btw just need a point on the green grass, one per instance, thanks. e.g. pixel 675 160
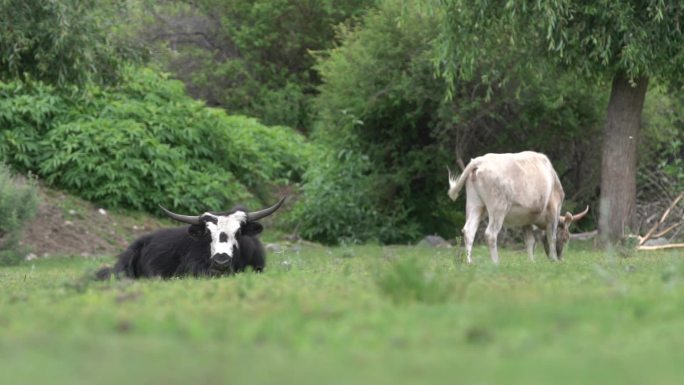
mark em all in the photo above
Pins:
pixel 366 315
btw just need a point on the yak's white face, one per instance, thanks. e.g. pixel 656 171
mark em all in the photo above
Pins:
pixel 224 230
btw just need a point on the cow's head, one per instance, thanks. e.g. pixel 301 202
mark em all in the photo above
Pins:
pixel 563 231
pixel 225 229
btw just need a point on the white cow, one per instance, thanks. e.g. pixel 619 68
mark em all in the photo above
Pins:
pixel 517 190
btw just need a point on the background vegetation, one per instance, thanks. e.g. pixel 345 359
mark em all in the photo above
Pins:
pixel 144 143
pixel 356 107
pixel 249 57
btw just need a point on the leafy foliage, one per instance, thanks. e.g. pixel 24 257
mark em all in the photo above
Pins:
pixel 145 143
pixel 338 204
pixel 27 111
pixel 250 57
pixel 661 171
pixel 63 41
pixel 18 203
pixel 380 100
pixel 641 38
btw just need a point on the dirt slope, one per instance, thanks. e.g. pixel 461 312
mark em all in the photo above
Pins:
pixel 66 225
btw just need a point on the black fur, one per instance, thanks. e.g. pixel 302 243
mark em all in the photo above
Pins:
pixel 185 251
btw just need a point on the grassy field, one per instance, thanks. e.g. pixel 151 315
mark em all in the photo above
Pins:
pixel 355 315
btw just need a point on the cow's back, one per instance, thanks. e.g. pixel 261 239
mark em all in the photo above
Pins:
pixel 525 181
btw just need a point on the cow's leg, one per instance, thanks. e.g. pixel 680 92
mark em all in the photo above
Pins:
pixel 529 241
pixel 473 216
pixel 491 234
pixel 551 239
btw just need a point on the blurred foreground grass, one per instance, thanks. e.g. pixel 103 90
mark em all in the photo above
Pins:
pixel 365 315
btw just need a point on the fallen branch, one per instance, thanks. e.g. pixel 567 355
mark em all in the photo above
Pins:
pixel 662 247
pixel 650 232
pixel 667 230
pixel 584 236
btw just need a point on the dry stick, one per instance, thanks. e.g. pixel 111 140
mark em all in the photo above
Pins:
pixel 667 230
pixel 661 247
pixel 584 236
pixel 650 232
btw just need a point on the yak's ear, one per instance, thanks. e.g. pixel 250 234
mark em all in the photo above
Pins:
pixel 252 228
pixel 197 231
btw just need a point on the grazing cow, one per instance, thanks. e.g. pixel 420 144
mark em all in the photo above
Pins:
pixel 214 244
pixel 517 190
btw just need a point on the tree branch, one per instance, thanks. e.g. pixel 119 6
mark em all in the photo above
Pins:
pixel 650 232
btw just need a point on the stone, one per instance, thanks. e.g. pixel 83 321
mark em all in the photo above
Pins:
pixel 434 241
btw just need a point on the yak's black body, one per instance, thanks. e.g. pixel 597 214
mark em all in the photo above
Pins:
pixel 215 243
pixel 174 252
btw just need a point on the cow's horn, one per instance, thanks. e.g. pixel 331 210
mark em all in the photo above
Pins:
pixel 255 216
pixel 192 220
pixel 577 217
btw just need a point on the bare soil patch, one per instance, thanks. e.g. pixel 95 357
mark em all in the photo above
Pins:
pixel 65 225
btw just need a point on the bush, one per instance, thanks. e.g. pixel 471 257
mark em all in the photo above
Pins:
pixel 661 150
pixel 121 164
pixel 18 204
pixel 339 203
pixel 144 143
pixel 27 112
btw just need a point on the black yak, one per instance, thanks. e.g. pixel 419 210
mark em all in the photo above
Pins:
pixel 214 244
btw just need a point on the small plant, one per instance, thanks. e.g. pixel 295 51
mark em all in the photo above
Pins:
pixel 409 280
pixel 18 204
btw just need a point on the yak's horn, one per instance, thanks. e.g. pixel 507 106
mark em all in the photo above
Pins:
pixel 256 215
pixel 192 220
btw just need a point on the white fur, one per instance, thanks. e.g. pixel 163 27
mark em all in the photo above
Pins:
pixel 517 189
pixel 225 224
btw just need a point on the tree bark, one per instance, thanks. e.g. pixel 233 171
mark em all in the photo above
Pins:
pixel 617 215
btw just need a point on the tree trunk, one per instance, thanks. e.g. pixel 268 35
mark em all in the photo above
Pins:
pixel 617 216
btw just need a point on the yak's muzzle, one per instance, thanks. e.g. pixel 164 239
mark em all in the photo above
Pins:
pixel 221 258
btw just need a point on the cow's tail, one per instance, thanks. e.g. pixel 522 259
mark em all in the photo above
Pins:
pixel 456 184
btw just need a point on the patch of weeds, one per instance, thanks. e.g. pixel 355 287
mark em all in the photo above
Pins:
pixel 478 336
pixel 124 326
pixel 671 275
pixel 627 246
pixel 18 205
pixel 81 284
pixel 409 280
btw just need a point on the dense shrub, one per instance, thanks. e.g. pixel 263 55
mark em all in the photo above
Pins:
pixel 27 112
pixel 18 203
pixel 145 142
pixel 338 204
pixel 661 150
